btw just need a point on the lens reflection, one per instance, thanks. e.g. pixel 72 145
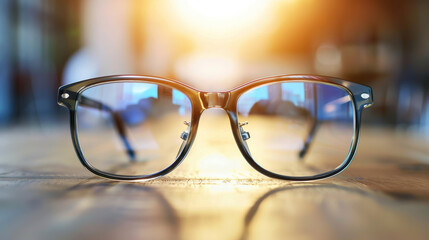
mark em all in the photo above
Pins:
pixel 298 128
pixel 132 128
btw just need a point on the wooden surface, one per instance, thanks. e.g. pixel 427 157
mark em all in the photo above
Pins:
pixel 46 194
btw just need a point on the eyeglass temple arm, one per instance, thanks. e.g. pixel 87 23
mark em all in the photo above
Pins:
pixel 309 139
pixel 117 119
pixel 313 128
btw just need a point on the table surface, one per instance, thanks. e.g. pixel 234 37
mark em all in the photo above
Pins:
pixel 46 194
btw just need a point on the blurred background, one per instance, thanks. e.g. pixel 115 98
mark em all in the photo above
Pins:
pixel 215 46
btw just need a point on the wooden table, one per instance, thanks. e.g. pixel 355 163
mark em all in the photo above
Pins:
pixel 46 194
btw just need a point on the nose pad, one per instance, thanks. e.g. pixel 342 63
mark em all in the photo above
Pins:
pixel 184 135
pixel 244 135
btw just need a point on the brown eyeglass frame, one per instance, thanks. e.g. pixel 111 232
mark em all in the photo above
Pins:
pixel 361 96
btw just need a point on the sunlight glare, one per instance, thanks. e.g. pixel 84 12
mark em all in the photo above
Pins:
pixel 221 16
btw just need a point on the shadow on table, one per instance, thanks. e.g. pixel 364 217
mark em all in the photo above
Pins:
pixel 333 206
pixel 101 210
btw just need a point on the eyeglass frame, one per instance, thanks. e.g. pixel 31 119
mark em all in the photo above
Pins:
pixel 361 97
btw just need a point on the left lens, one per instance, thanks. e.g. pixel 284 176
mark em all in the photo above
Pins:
pixel 132 129
pixel 298 129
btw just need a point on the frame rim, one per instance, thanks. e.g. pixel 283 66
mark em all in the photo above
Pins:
pixel 296 78
pixel 197 107
pixel 75 89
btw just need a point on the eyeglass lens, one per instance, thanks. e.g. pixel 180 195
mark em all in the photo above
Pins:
pixel 297 128
pixel 132 129
pixel 291 128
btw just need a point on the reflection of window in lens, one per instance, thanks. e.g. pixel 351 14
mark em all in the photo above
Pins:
pixel 293 99
pixel 293 92
pixel 135 92
pixel 326 102
pixel 250 98
pixel 300 123
pixel 122 126
pixel 181 100
pixel 136 101
pixel 333 103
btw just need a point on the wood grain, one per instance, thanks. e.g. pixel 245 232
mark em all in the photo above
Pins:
pixel 46 194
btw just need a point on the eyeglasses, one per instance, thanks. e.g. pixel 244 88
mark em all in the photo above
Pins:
pixel 292 127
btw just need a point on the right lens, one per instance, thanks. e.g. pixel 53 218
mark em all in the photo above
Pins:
pixel 132 129
pixel 298 129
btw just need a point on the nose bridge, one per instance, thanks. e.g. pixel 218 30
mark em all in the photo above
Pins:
pixel 214 99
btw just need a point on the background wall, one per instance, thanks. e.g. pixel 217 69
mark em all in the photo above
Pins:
pixel 214 45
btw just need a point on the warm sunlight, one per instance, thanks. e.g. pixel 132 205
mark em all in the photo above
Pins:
pixel 220 33
pixel 212 19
